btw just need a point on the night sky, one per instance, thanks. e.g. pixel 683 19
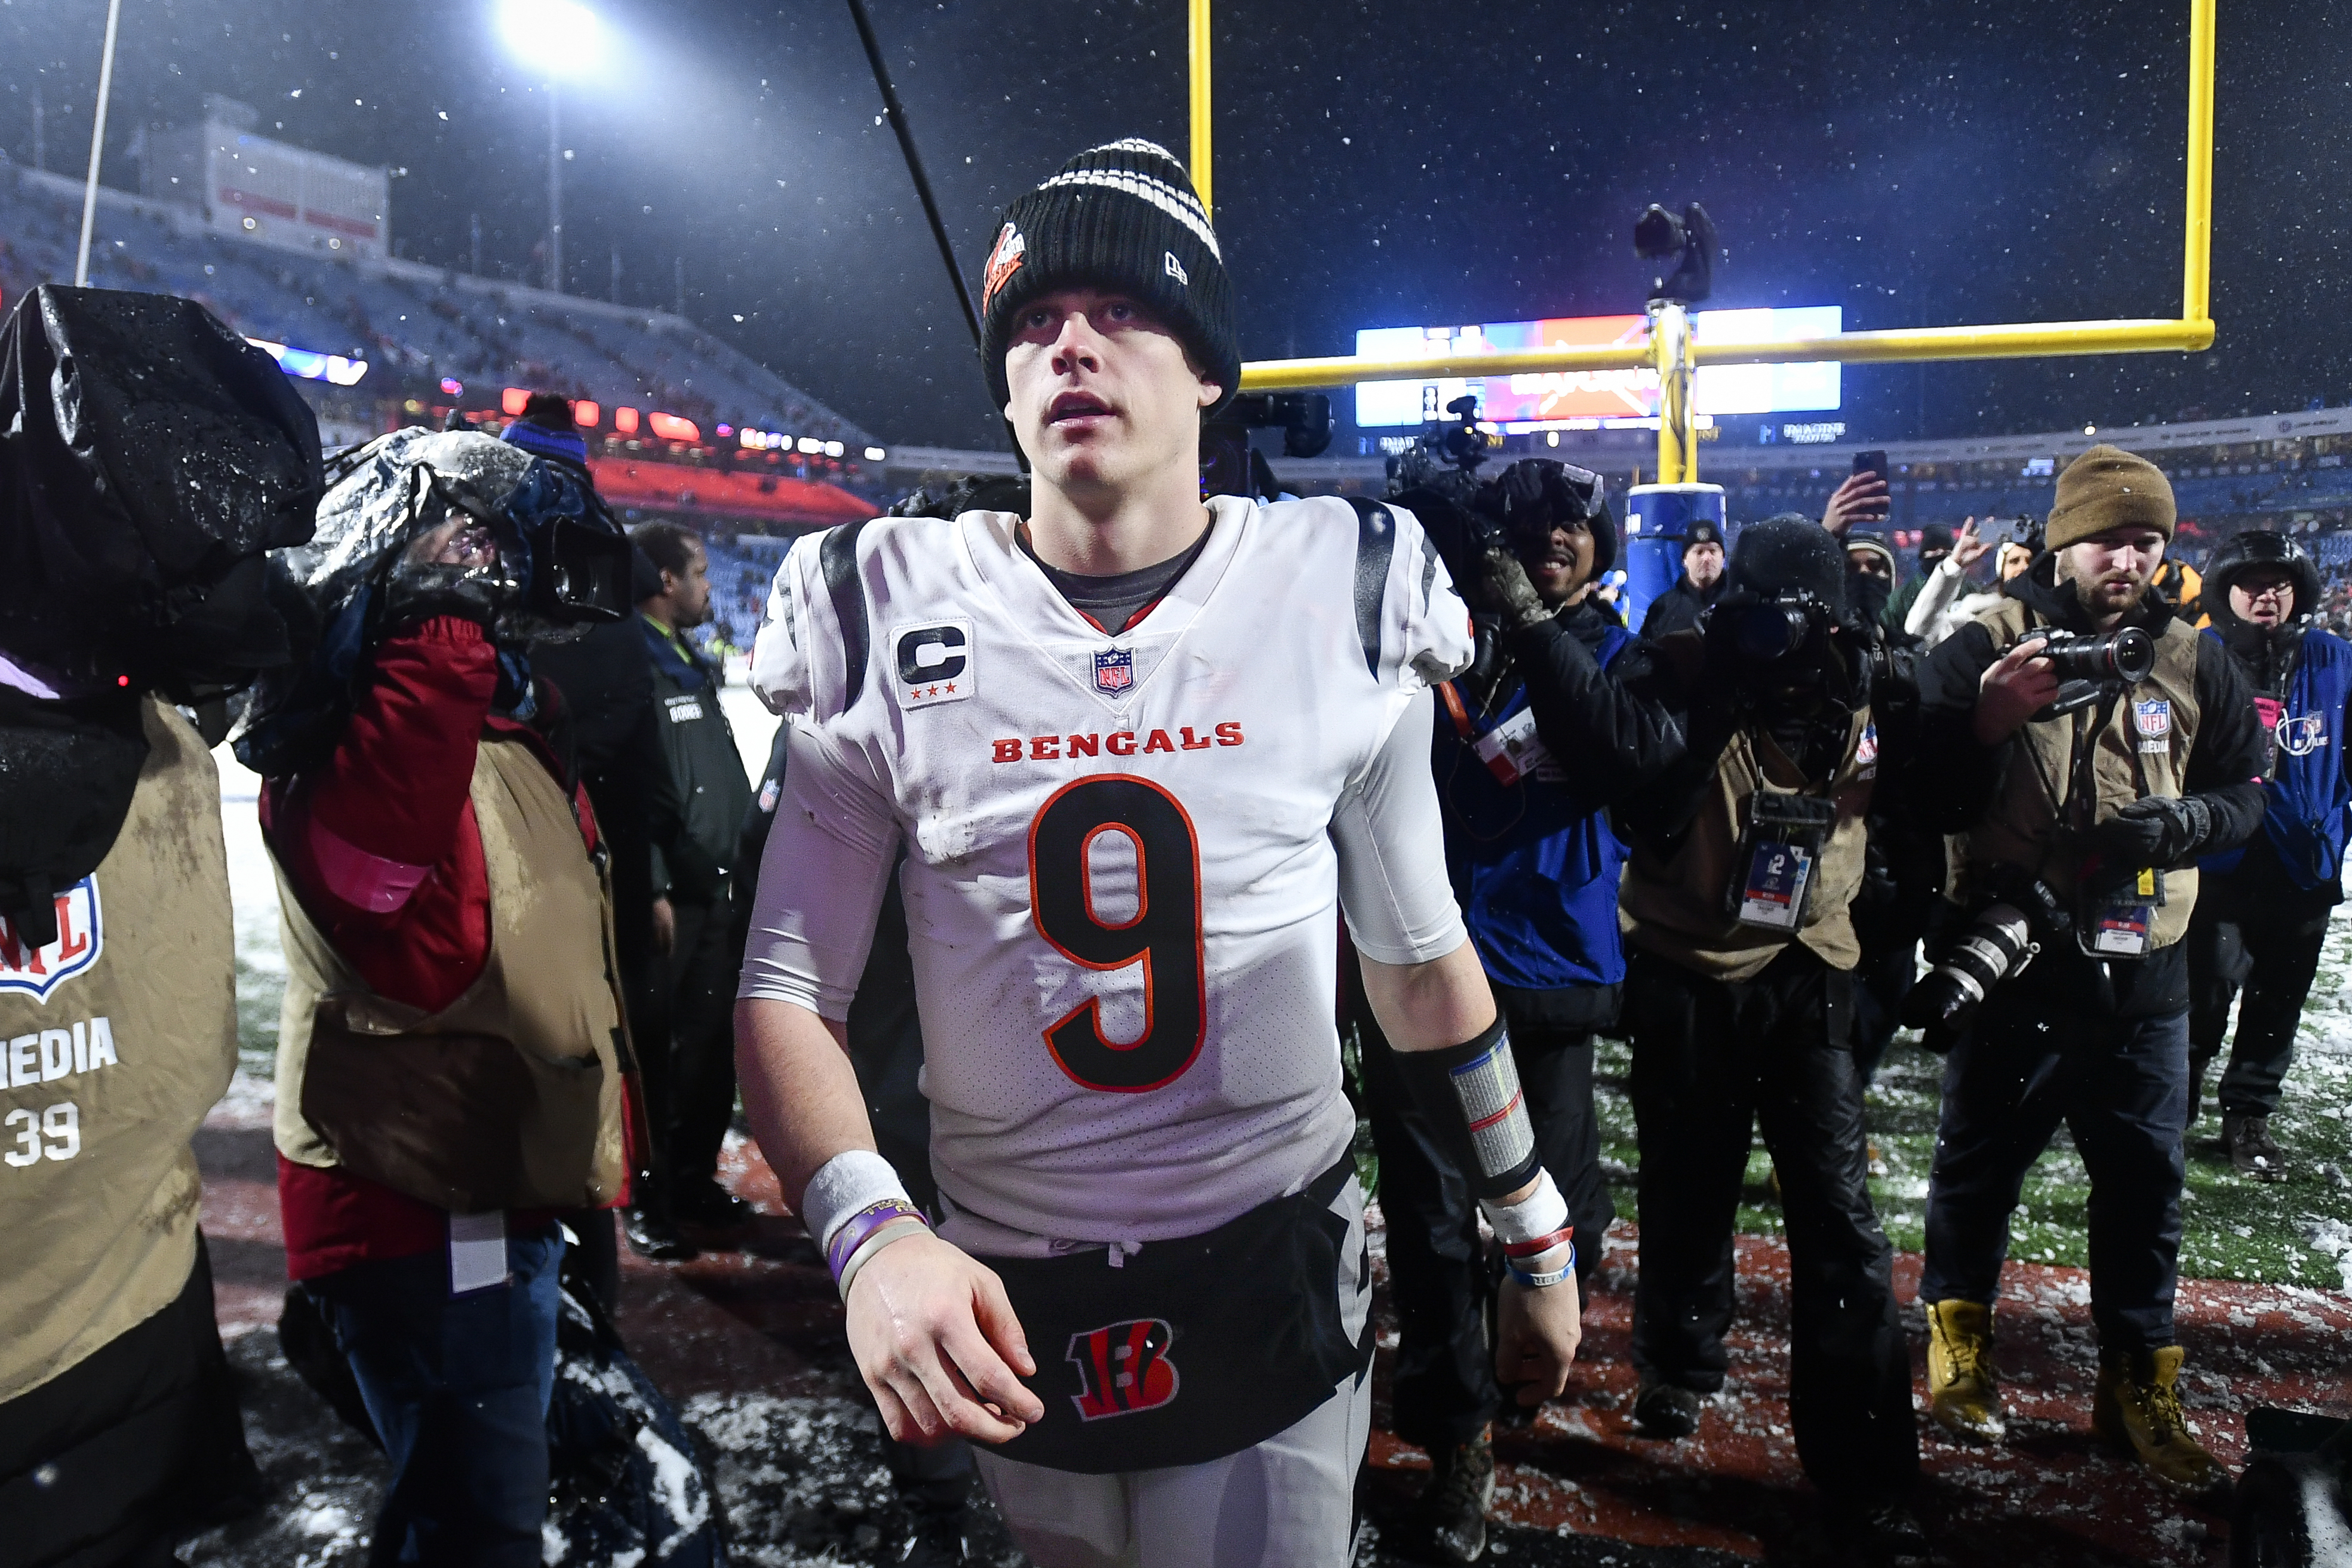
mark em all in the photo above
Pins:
pixel 1378 165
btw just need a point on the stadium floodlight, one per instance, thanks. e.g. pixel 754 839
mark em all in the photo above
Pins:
pixel 563 39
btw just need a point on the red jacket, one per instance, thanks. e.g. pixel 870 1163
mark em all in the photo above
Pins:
pixel 382 846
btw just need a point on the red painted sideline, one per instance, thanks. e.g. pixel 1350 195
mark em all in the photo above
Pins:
pixel 763 1317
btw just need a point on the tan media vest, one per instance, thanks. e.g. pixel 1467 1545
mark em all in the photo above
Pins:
pixel 1675 909
pixel 510 1097
pixel 2019 828
pixel 99 1188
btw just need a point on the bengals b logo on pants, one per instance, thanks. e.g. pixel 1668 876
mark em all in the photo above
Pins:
pixel 1123 1368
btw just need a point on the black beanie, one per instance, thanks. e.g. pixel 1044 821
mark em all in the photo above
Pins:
pixel 1790 552
pixel 1122 216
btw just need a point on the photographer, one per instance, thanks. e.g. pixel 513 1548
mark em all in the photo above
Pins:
pixel 137 588
pixel 2085 828
pixel 1747 855
pixel 1678 608
pixel 1530 743
pixel 446 1080
pixel 2262 911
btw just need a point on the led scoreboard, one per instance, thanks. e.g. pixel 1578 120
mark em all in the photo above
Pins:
pixel 1591 399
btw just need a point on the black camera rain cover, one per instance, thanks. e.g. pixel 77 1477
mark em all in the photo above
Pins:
pixel 149 456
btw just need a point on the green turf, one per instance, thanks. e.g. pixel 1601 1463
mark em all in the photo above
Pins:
pixel 2290 1232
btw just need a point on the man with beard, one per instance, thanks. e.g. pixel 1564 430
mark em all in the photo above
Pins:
pixel 2261 912
pixel 2090 803
pixel 1532 742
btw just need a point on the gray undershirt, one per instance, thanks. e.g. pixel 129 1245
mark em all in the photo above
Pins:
pixel 1113 603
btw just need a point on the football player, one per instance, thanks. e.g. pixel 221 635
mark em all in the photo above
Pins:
pixel 1134 748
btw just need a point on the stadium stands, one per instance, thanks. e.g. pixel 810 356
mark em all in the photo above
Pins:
pixel 668 395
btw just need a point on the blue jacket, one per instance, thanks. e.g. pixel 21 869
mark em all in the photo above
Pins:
pixel 1534 869
pixel 2306 798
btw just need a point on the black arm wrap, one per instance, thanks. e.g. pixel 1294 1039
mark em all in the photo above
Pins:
pixel 1470 1092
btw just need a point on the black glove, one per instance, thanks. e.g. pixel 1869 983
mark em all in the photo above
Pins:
pixel 2162 830
pixel 1487 575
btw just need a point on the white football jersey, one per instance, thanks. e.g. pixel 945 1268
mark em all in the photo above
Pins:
pixel 1123 853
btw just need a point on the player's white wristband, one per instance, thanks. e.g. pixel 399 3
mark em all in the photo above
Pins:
pixel 848 1184
pixel 1539 1214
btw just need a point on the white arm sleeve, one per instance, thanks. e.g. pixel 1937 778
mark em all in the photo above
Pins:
pixel 1391 843
pixel 822 879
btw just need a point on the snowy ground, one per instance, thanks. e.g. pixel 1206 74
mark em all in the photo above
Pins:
pixel 747 1340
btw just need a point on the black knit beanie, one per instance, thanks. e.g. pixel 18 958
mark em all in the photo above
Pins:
pixel 1790 551
pixel 1123 217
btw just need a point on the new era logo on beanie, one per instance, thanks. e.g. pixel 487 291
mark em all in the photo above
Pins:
pixel 1120 216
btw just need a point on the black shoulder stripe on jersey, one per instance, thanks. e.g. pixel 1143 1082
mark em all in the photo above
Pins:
pixel 1375 544
pixel 1428 568
pixel 838 558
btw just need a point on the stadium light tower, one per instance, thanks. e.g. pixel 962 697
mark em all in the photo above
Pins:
pixel 562 39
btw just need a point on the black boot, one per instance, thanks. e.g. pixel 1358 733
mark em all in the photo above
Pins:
pixel 647 1224
pixel 1454 1506
pixel 934 1538
pixel 705 1201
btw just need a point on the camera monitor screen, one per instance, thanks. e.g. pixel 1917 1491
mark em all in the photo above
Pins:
pixel 1554 400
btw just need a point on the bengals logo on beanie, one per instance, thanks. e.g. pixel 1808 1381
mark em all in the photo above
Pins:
pixel 1120 216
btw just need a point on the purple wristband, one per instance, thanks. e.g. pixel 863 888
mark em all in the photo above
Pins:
pixel 853 1232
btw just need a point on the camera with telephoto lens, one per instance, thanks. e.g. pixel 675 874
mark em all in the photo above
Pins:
pixel 1765 628
pixel 1998 944
pixel 2086 664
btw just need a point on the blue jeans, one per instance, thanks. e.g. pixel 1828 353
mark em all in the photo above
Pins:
pixel 2121 1085
pixel 458 1388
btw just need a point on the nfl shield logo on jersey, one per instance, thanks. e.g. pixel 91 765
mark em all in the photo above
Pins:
pixel 1114 670
pixel 38 971
pixel 2154 717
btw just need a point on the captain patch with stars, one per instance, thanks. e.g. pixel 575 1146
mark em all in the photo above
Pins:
pixel 933 662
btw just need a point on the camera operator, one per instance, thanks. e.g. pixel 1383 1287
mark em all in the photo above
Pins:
pixel 1678 608
pixel 1531 742
pixel 137 587
pixel 2261 912
pixel 447 1080
pixel 1747 855
pixel 2091 823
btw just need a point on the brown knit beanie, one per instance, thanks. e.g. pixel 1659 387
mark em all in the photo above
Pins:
pixel 2106 487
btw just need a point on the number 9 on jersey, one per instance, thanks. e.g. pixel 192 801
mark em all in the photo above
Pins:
pixel 1164 934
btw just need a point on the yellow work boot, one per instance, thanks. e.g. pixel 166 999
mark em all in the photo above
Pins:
pixel 2137 1409
pixel 1962 1395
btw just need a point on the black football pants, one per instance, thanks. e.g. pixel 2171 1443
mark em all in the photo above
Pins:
pixel 2266 941
pixel 704 966
pixel 1439 1279
pixel 1712 1059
